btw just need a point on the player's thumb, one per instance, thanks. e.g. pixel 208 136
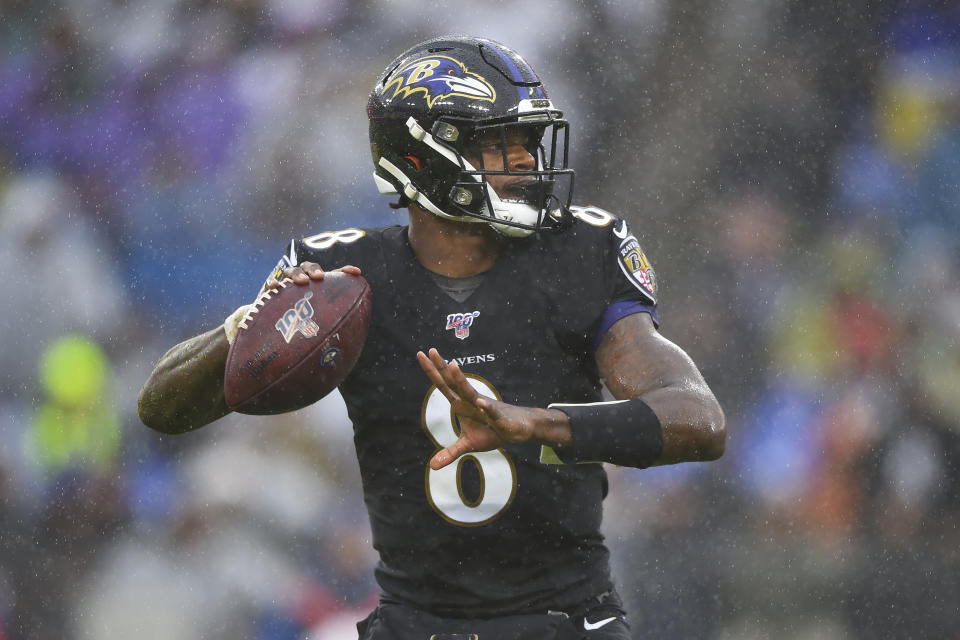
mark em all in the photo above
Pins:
pixel 445 456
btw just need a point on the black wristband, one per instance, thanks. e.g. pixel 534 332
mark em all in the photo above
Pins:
pixel 624 432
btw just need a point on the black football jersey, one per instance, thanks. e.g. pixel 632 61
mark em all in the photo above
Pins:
pixel 501 531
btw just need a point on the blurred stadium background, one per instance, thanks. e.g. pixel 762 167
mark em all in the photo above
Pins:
pixel 792 168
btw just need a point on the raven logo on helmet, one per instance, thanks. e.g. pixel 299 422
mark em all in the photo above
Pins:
pixel 438 77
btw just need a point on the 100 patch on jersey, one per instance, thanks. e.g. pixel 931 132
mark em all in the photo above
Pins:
pixel 461 322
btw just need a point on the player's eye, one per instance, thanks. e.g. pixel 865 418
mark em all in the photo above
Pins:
pixel 495 140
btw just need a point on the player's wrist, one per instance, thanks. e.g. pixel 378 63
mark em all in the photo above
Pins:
pixel 623 432
pixel 552 428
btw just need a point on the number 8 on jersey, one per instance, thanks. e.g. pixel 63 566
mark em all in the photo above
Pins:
pixel 444 489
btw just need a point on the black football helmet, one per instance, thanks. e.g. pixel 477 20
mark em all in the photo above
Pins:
pixel 435 102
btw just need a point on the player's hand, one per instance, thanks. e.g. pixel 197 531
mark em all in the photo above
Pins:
pixel 304 273
pixel 486 423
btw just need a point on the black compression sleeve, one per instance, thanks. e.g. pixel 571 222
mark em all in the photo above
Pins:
pixel 624 432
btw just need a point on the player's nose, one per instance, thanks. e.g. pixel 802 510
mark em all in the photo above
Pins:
pixel 519 158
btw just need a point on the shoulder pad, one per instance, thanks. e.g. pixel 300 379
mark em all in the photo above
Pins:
pixel 317 242
pixel 634 263
pixel 327 239
pixel 631 258
pixel 594 216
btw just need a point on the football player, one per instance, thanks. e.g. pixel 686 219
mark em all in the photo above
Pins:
pixel 483 478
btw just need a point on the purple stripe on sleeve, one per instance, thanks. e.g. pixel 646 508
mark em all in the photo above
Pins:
pixel 621 309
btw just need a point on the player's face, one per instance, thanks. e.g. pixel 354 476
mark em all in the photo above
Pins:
pixel 488 153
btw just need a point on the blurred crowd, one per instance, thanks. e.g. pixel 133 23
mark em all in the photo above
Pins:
pixel 791 168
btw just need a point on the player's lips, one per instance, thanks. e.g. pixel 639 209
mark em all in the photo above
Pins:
pixel 522 191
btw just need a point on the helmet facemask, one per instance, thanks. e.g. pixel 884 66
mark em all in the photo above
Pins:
pixel 528 197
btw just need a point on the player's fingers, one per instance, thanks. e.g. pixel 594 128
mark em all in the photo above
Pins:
pixel 459 383
pixel 441 459
pixel 460 387
pixel 442 367
pixel 429 368
pixel 349 268
pixel 312 269
pixel 296 274
pixel 437 360
pixel 445 456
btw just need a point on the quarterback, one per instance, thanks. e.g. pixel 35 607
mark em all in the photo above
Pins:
pixel 500 312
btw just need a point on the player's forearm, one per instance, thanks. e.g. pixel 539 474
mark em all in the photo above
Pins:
pixel 185 390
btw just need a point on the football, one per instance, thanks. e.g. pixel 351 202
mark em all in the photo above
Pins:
pixel 297 343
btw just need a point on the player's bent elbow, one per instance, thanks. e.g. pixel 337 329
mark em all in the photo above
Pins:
pixel 162 416
pixel 152 415
pixel 151 419
pixel 716 435
pixel 168 424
